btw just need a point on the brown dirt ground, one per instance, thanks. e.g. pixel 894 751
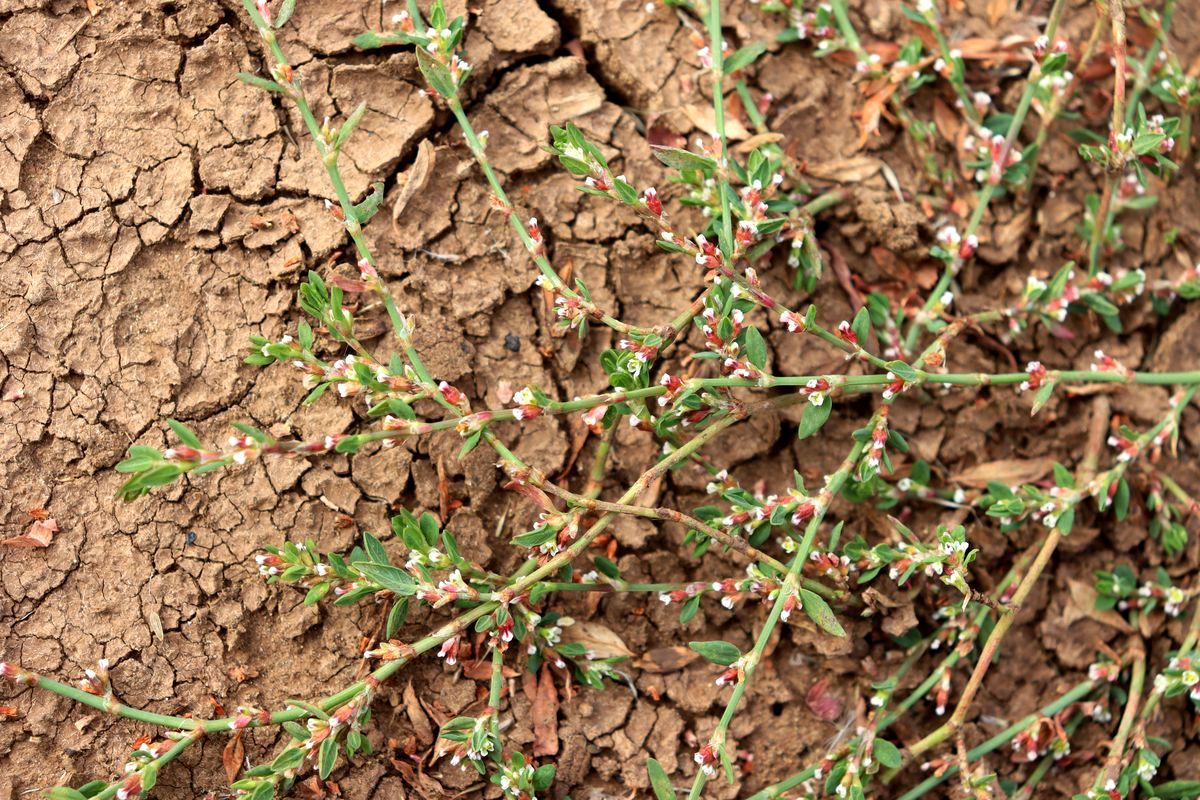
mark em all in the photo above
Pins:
pixel 156 212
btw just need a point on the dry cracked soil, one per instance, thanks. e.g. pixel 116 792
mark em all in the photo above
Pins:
pixel 156 212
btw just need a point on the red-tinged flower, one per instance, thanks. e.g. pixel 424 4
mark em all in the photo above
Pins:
pixel 804 512
pixel 673 386
pixel 131 787
pixel 367 270
pixel 181 452
pixel 535 232
pixel 708 255
pixel 731 674
pixel 968 247
pixel 707 757
pixel 653 203
pixel 846 333
pixel 793 321
pixel 594 418
pixel 790 604
pixel 452 395
pixel 891 390
pixel 600 184
pixel 746 233
pixel 449 650
pixel 264 10
pixel 1037 375
pixel 505 630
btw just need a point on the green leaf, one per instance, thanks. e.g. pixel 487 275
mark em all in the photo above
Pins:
pixel 350 124
pixel 436 74
pixel 659 781
pixel 902 371
pixel 743 57
pixel 374 548
pixel 370 204
pixel 259 82
pixel 286 9
pixel 820 613
pixel 756 348
pixel 814 418
pixel 683 159
pixel 722 653
pixel 470 443
pixel 65 793
pixel 288 759
pixel 543 776
pixel 328 756
pixel 1043 395
pixel 185 434
pixel 389 577
pixel 887 754
pixel 861 325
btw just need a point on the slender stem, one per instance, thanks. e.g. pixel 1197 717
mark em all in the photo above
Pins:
pixel 1116 750
pixel 716 45
pixel 784 597
pixel 1080 691
pixel 495 689
pixel 985 196
pixel 537 253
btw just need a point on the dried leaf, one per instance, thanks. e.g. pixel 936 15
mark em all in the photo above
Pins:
pixel 600 641
pixel 996 10
pixel 661 660
pixel 232 756
pixel 870 114
pixel 704 118
pixel 846 170
pixel 416 715
pixel 1009 471
pixel 658 136
pixel 1083 597
pixel 545 716
pixel 822 703
pixel 757 140
pixel 156 626
pixel 418 178
pixel 39 535
pixel 948 123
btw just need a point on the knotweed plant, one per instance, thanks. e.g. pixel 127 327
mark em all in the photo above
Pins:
pixel 785 557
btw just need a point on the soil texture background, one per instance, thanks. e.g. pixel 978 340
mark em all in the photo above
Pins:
pixel 155 212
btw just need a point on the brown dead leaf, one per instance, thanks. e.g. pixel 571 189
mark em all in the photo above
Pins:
pixel 846 170
pixel 948 122
pixel 1009 471
pixel 545 716
pixel 599 640
pixel 232 756
pixel 1083 598
pixel 704 118
pixel 417 178
pixel 996 10
pixel 416 715
pixel 661 660
pixel 756 140
pixel 39 535
pixel 870 114
pixel 658 136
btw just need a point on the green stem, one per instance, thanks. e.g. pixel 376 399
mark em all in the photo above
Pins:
pixel 543 264
pixel 752 659
pixel 716 41
pixel 989 190
pixel 1080 691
